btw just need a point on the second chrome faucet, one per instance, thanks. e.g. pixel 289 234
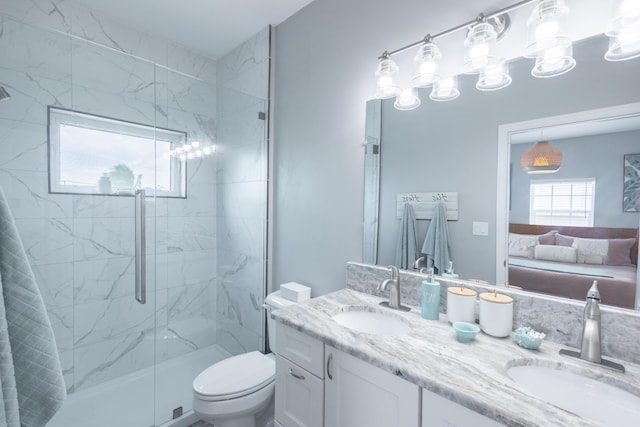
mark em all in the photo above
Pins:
pixel 393 286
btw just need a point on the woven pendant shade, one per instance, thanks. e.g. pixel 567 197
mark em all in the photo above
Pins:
pixel 541 158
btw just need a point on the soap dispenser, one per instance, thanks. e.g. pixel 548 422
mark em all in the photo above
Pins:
pixel 430 297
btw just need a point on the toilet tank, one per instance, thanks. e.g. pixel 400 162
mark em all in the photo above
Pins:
pixel 274 301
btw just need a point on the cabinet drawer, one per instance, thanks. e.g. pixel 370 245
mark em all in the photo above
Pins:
pixel 304 351
pixel 299 396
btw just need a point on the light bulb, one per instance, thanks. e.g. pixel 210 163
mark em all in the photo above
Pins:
pixel 445 90
pixel 183 157
pixel 180 150
pixel 547 30
pixel 427 60
pixel 195 144
pixel 407 99
pixel 479 55
pixel 187 148
pixel 552 58
pixel 385 85
pixel 199 153
pixel 190 155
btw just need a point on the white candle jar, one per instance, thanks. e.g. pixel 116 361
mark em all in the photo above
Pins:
pixel 461 305
pixel 496 314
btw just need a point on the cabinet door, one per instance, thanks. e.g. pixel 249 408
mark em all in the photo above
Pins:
pixel 298 396
pixel 359 394
pixel 440 412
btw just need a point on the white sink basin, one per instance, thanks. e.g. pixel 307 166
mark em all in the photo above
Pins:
pixel 372 322
pixel 581 395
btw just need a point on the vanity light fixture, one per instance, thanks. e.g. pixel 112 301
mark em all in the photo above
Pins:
pixel 427 63
pixel 624 42
pixel 445 90
pixel 541 158
pixel 407 99
pixel 548 41
pixel 495 76
pixel 386 86
pixel 479 47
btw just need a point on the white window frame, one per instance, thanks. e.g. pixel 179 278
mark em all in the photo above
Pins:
pixel 58 117
pixel 568 217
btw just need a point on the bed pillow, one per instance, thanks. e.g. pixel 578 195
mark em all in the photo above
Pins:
pixel 562 240
pixel 620 252
pixel 548 238
pixel 556 253
pixel 522 244
pixel 591 251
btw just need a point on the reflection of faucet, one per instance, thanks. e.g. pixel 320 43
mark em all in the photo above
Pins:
pixel 591 346
pixel 416 265
pixel 393 285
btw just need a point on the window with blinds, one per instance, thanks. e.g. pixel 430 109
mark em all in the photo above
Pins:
pixel 562 202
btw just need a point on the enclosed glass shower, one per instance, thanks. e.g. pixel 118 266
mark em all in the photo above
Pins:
pixel 107 226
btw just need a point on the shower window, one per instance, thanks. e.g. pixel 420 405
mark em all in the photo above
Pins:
pixel 91 154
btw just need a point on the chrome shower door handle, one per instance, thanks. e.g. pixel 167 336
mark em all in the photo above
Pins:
pixel 141 247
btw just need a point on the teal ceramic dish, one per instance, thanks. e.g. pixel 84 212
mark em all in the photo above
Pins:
pixel 528 338
pixel 465 331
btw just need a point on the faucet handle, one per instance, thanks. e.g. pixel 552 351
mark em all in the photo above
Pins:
pixel 593 292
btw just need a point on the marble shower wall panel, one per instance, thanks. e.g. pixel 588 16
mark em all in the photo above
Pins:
pixel 241 178
pixel 81 247
pixel 246 68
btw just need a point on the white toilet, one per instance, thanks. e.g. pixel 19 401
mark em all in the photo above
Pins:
pixel 235 391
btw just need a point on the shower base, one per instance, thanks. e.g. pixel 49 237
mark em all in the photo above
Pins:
pixel 126 401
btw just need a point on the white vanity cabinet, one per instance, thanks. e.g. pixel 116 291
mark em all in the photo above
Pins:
pixel 440 412
pixel 359 394
pixel 299 400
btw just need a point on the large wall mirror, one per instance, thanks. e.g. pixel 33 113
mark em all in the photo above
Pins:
pixel 454 147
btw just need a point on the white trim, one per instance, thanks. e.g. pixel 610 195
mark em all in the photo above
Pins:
pixel 504 154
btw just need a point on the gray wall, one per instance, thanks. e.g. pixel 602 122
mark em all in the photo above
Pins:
pixel 598 156
pixel 324 74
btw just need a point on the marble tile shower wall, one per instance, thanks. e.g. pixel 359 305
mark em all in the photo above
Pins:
pixel 81 247
pixel 243 80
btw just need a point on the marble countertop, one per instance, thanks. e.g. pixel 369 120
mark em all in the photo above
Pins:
pixel 471 374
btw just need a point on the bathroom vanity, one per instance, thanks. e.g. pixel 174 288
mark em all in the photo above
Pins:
pixel 332 375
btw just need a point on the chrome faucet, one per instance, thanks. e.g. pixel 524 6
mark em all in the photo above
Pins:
pixel 591 345
pixel 393 285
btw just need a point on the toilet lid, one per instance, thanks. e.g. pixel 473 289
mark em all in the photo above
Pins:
pixel 235 376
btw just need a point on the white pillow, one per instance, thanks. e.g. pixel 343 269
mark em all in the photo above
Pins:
pixel 522 244
pixel 556 253
pixel 591 251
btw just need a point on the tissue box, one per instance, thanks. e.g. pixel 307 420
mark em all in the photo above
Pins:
pixel 295 291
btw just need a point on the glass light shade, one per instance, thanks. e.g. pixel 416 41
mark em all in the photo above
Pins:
pixel 445 90
pixel 479 47
pixel 407 99
pixel 427 63
pixel 554 62
pixel 625 45
pixel 386 86
pixel 547 28
pixel 624 42
pixel 495 76
pixel 541 158
pixel 195 144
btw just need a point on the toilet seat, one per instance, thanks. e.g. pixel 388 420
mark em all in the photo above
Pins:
pixel 235 377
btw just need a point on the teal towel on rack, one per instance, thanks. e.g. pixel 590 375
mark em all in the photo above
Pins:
pixel 407 246
pixel 436 245
pixel 33 387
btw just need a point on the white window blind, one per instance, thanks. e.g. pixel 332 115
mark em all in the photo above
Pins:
pixel 562 202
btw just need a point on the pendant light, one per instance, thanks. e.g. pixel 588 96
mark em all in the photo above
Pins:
pixel 624 42
pixel 386 86
pixel 541 158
